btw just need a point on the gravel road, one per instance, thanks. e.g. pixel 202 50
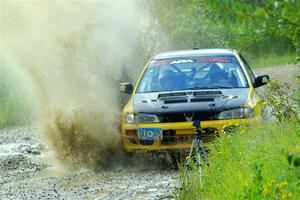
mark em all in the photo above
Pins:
pixel 26 173
pixel 284 73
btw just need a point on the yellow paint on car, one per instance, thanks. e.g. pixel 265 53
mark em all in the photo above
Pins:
pixel 186 128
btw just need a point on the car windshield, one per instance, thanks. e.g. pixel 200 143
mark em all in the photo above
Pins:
pixel 191 73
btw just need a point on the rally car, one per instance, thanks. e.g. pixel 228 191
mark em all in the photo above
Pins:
pixel 215 86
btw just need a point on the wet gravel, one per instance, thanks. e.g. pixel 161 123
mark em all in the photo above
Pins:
pixel 26 173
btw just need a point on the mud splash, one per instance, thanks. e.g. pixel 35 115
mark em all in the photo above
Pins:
pixel 80 139
pixel 70 56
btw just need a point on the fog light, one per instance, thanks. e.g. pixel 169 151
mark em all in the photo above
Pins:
pixel 130 133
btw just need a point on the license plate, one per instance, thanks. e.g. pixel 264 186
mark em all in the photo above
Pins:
pixel 150 134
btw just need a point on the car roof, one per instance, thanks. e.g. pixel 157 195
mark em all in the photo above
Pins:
pixel 194 52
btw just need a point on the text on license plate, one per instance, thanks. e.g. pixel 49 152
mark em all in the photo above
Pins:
pixel 150 134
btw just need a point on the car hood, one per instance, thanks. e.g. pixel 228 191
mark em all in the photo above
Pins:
pixel 190 101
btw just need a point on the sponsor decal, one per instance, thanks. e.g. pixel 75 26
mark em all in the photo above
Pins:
pixel 159 63
pixel 219 60
pixel 182 61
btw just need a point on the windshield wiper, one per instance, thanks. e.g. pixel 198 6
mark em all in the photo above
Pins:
pixel 221 87
pixel 197 88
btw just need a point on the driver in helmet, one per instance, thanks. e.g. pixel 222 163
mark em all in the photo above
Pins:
pixel 218 76
pixel 167 80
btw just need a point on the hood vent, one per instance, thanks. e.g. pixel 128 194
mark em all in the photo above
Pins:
pixel 185 97
pixel 176 101
pixel 202 99
pixel 168 95
pixel 205 93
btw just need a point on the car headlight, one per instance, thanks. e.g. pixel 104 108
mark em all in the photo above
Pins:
pixel 141 118
pixel 237 113
pixel 129 118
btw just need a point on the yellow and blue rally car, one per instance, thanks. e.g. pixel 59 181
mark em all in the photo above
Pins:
pixel 215 86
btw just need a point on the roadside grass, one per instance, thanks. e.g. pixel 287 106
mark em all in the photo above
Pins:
pixel 255 162
pixel 14 107
pixel 272 60
pixel 13 112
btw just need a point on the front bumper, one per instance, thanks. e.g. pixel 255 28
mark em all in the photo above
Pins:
pixel 176 135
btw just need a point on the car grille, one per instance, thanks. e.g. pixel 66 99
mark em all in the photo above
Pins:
pixel 191 116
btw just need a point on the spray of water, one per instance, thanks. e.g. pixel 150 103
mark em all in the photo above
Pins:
pixel 69 54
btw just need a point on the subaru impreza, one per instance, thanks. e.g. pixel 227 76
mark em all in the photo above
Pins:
pixel 215 86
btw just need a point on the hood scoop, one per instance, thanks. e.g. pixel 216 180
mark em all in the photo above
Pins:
pixel 208 93
pixel 185 97
pixel 190 101
pixel 176 97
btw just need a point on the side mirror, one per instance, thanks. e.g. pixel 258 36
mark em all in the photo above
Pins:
pixel 126 88
pixel 261 80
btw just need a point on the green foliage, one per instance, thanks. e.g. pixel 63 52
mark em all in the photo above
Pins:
pixel 279 102
pixel 298 89
pixel 258 28
pixel 262 23
pixel 252 163
pixel 186 25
